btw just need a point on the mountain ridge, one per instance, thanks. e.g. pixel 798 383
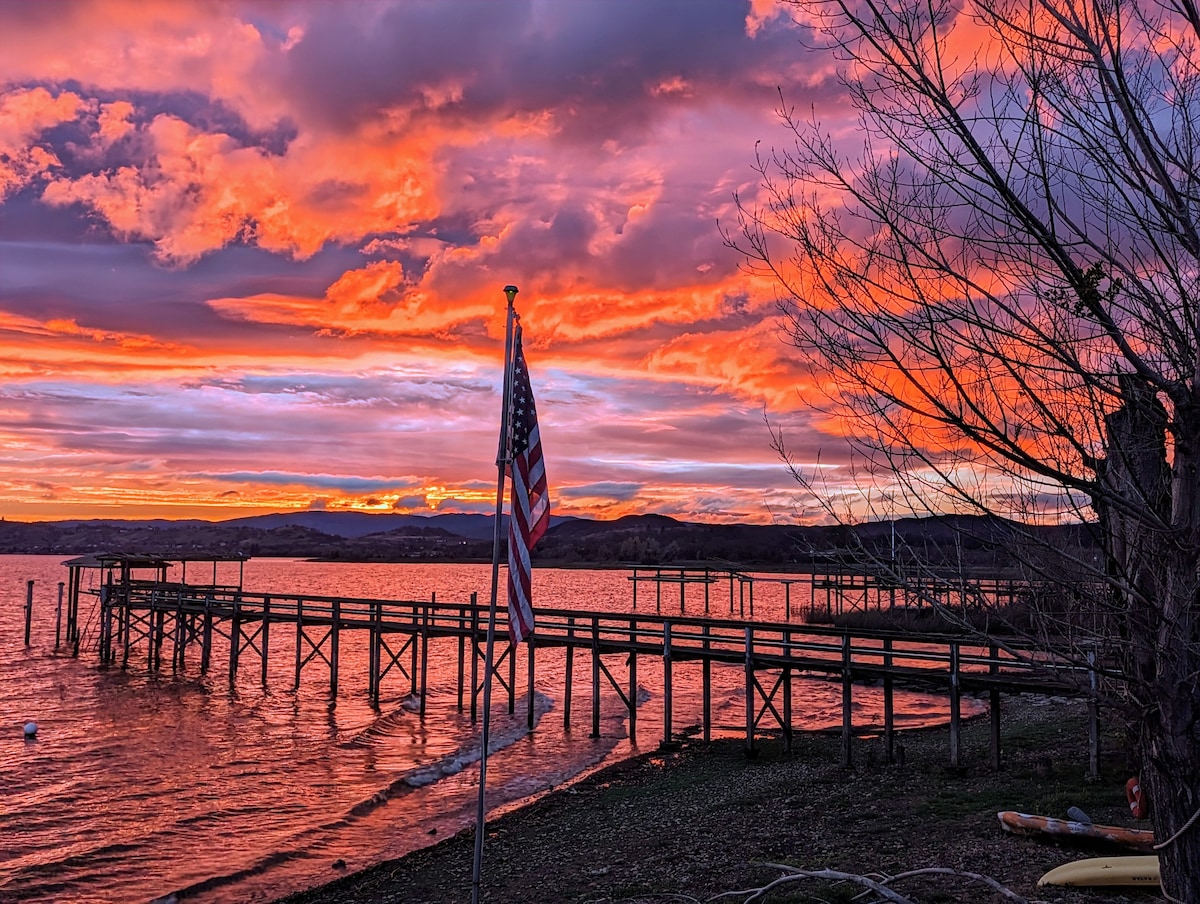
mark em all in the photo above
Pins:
pixel 636 540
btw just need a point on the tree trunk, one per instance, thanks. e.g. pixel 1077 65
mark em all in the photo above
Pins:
pixel 1172 748
pixel 1156 558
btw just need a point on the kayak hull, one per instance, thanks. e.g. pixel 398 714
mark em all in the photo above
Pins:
pixel 1103 871
pixel 1029 824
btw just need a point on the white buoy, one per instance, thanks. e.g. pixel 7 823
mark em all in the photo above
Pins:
pixel 31 729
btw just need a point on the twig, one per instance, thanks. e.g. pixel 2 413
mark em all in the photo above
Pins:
pixel 794 874
pixel 977 877
pixel 879 887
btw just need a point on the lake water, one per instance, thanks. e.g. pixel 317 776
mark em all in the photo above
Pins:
pixel 144 786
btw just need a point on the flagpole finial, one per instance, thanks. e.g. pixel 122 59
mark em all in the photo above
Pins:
pixel 511 293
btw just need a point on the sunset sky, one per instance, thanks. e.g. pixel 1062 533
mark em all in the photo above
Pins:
pixel 252 255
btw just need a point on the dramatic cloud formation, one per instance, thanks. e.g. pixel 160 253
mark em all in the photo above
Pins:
pixel 251 255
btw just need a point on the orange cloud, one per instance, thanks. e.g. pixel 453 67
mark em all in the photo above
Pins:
pixel 24 115
pixel 366 288
pixel 201 191
pixel 751 364
pixel 148 46
pixel 113 122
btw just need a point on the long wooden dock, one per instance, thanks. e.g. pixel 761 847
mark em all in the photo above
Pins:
pixel 153 620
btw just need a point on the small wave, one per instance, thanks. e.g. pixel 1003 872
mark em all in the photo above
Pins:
pixel 501 735
pixel 51 864
pixel 386 725
pixel 257 868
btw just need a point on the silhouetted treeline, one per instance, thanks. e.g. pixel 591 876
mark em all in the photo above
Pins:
pixel 643 540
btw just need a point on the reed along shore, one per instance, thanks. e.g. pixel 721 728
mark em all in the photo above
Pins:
pixel 699 819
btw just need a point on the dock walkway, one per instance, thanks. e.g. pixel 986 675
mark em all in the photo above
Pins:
pixel 141 619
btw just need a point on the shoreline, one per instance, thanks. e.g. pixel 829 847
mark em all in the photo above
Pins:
pixel 697 819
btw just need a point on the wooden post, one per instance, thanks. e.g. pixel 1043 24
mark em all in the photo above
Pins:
pixel 335 625
pixel 632 682
pixel 512 678
pixel 595 677
pixel 178 640
pixel 474 658
pixel 570 671
pixel 299 637
pixel 105 627
pixel 106 621
pixel 206 641
pixel 955 706
pixel 413 659
pixel 125 616
pixel 71 596
pixel 28 610
pixel 751 703
pixel 462 644
pixel 160 616
pixel 787 691
pixel 889 708
pixel 266 638
pixel 847 704
pixel 58 616
pixel 374 635
pixel 666 682
pixel 235 640
pixel 994 705
pixel 658 590
pixel 150 634
pixel 425 653
pixel 706 687
pixel 530 644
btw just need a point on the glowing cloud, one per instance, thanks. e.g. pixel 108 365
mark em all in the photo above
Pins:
pixel 253 253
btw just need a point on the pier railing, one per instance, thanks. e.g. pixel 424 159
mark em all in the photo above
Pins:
pixel 155 616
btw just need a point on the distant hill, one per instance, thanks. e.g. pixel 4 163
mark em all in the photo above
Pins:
pixel 642 540
pixel 362 524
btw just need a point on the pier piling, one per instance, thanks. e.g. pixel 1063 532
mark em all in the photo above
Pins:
pixel 28 610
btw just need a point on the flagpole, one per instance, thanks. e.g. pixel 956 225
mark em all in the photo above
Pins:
pixel 502 460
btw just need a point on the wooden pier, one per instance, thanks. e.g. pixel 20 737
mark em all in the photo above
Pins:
pixel 154 621
pixel 831 593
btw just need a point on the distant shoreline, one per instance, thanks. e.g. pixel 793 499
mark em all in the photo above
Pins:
pixel 642 541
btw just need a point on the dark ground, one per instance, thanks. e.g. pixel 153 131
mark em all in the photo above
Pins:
pixel 695 822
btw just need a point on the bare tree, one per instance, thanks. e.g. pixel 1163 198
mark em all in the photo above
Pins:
pixel 999 267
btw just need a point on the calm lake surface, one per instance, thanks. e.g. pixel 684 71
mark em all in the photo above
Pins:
pixel 142 787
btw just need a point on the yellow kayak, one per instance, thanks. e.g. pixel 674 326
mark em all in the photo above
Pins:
pixel 1098 871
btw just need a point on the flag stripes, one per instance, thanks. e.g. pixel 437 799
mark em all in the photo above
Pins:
pixel 529 501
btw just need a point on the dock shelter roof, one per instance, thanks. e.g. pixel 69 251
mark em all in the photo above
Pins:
pixel 136 560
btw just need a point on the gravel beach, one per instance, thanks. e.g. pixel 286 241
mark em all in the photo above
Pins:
pixel 697 820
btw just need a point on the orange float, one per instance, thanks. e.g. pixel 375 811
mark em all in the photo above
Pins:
pixel 1138 804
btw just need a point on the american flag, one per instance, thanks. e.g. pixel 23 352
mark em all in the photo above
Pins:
pixel 529 503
